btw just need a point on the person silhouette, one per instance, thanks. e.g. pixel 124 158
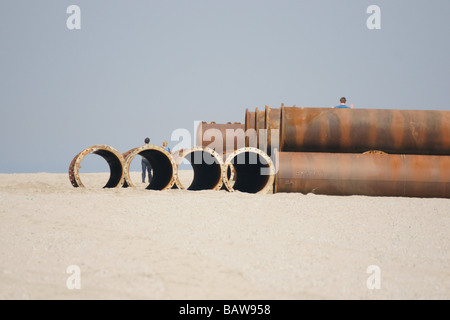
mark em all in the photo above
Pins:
pixel 165 146
pixel 343 105
pixel 146 166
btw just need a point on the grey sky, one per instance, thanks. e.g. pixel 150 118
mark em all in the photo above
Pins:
pixel 146 68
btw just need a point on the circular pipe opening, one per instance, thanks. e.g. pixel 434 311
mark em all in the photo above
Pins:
pixel 114 159
pixel 207 167
pixel 161 162
pixel 254 171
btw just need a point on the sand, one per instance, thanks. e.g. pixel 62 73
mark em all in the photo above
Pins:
pixel 178 244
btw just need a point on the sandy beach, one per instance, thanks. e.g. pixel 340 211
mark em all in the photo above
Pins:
pixel 178 244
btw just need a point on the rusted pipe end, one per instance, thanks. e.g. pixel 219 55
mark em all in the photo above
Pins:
pixel 162 164
pixel 254 171
pixel 112 156
pixel 207 165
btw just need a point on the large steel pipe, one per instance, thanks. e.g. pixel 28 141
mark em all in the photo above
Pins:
pixel 254 171
pixel 114 159
pixel 360 130
pixel 161 161
pixel 371 174
pixel 206 164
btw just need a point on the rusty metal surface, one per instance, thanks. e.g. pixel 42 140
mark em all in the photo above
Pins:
pixel 361 130
pixel 231 136
pixel 272 126
pixel 162 163
pixel 114 159
pixel 250 119
pixel 261 132
pixel 264 122
pixel 250 129
pixel 254 171
pixel 206 164
pixel 425 176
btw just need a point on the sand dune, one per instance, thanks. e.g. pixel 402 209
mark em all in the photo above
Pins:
pixel 177 244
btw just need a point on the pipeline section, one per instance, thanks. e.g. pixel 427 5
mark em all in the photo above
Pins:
pixel 254 171
pixel 351 130
pixel 206 164
pixel 360 130
pixel 375 174
pixel 114 159
pixel 161 161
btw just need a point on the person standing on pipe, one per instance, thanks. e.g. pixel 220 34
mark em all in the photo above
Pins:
pixel 343 104
pixel 146 166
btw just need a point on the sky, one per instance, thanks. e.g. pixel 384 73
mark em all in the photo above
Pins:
pixel 143 68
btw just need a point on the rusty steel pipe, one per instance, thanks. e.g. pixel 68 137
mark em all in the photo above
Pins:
pixel 114 159
pixel 254 171
pixel 375 174
pixel 162 164
pixel 206 164
pixel 361 130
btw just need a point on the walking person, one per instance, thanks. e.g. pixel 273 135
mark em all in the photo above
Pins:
pixel 146 166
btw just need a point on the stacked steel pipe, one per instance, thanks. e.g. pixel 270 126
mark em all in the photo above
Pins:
pixel 374 152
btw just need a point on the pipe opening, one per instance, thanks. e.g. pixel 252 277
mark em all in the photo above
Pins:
pixel 207 170
pixel 115 167
pixel 253 170
pixel 161 162
pixel 162 169
pixel 112 157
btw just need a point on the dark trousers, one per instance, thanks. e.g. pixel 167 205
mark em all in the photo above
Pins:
pixel 146 167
